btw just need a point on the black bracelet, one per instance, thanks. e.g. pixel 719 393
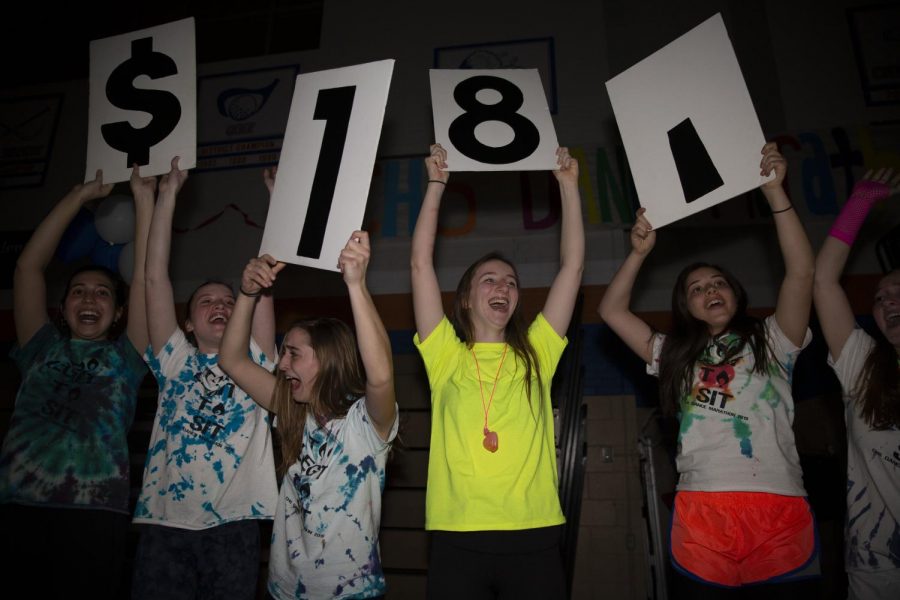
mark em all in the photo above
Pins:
pixel 775 212
pixel 249 295
pixel 437 181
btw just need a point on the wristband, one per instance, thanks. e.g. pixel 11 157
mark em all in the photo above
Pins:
pixel 864 196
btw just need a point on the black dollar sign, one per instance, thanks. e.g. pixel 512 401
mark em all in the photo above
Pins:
pixel 162 106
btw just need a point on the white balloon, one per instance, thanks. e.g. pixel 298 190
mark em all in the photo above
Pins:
pixel 114 219
pixel 126 262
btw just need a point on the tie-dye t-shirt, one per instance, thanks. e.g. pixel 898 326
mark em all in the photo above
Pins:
pixel 210 457
pixel 873 472
pixel 325 534
pixel 736 433
pixel 67 441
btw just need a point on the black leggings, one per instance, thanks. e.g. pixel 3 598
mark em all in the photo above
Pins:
pixel 64 552
pixel 496 565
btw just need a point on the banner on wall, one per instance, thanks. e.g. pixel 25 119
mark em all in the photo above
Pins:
pixel 326 163
pixel 143 102
pixel 688 125
pixel 243 116
pixel 493 120
pixel 27 132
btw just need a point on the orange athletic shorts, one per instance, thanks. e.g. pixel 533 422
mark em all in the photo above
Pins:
pixel 740 538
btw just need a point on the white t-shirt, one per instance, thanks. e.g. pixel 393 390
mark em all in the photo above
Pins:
pixel 325 534
pixel 735 433
pixel 210 457
pixel 873 472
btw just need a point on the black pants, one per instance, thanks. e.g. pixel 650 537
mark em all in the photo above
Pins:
pixel 218 563
pixel 496 565
pixel 64 552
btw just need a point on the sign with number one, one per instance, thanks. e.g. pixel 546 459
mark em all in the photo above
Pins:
pixel 143 99
pixel 493 120
pixel 688 125
pixel 326 163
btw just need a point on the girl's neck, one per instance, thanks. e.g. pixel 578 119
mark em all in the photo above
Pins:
pixel 205 348
pixel 489 335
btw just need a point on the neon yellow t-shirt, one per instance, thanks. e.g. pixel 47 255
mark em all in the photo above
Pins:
pixel 469 488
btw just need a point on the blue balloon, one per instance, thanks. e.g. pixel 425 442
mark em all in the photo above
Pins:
pixel 106 255
pixel 79 238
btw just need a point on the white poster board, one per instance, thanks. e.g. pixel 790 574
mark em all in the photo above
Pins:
pixel 493 120
pixel 143 102
pixel 326 163
pixel 688 125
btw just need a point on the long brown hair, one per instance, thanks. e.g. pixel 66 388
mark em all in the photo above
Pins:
pixel 339 382
pixel 877 394
pixel 690 337
pixel 516 333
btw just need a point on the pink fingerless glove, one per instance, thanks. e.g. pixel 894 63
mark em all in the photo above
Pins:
pixel 863 197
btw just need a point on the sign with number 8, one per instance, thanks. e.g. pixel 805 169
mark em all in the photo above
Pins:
pixel 493 120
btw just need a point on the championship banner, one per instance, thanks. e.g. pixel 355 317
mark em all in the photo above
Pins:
pixel 143 102
pixel 493 120
pixel 688 125
pixel 326 163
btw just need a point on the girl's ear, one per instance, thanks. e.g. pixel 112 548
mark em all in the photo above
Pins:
pixel 188 326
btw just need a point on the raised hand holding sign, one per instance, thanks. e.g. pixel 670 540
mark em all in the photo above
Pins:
pixel 143 101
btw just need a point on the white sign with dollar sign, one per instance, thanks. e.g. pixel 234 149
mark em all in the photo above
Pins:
pixel 143 99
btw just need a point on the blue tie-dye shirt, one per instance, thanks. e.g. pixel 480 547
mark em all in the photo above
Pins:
pixel 325 534
pixel 873 472
pixel 210 457
pixel 67 441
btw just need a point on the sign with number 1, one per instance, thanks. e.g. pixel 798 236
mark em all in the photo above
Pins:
pixel 143 99
pixel 326 163
pixel 493 120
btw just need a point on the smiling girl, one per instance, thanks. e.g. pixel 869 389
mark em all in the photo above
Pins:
pixel 64 480
pixel 209 475
pixel 492 503
pixel 336 417
pixel 867 367
pixel 741 516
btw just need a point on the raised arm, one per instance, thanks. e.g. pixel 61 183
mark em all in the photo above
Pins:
pixel 374 344
pixel 564 291
pixel 615 307
pixel 835 313
pixel 426 291
pixel 29 285
pixel 161 319
pixel 143 189
pixel 263 326
pixel 259 275
pixel 795 295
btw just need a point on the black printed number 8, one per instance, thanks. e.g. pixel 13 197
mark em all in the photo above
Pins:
pixel 462 130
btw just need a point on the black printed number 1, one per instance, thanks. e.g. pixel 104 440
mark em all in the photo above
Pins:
pixel 334 107
pixel 526 137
